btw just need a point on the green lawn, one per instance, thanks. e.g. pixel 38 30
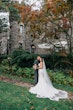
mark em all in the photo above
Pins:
pixel 13 97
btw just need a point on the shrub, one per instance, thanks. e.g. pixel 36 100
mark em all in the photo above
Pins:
pixel 20 72
pixel 60 78
pixel 56 77
pixel 23 58
pixel 29 72
pixel 25 72
pixel 5 62
pixel 3 56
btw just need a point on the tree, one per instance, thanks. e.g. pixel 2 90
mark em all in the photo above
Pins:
pixel 3 23
pixel 54 19
pixel 23 10
pixel 14 15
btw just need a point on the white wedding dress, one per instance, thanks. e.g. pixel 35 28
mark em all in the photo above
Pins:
pixel 44 87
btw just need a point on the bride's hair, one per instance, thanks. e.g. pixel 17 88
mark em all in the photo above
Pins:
pixel 39 57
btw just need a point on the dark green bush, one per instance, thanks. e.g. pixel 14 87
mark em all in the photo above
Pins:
pixel 2 57
pixel 23 58
pixel 53 61
pixel 56 61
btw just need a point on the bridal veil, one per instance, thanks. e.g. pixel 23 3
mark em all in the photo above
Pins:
pixel 45 89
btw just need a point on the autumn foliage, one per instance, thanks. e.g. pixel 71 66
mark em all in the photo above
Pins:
pixel 23 10
pixel 53 19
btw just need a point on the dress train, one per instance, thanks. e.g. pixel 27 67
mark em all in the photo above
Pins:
pixel 45 89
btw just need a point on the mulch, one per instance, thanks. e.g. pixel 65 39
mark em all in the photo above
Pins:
pixel 27 85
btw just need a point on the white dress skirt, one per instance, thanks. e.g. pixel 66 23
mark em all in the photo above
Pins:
pixel 45 89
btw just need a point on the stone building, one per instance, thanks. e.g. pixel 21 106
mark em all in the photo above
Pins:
pixel 18 36
pixel 4 36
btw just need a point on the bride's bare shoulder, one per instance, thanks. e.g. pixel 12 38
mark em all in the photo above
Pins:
pixel 41 60
pixel 41 64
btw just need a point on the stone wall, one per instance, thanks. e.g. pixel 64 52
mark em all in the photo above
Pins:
pixel 14 33
pixel 3 42
pixel 18 37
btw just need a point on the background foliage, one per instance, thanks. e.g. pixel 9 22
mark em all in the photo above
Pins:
pixel 20 63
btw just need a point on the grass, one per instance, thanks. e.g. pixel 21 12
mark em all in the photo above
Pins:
pixel 13 97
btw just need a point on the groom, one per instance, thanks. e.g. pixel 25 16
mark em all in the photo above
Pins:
pixel 36 62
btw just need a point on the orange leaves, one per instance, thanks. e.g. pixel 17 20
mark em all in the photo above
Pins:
pixel 33 16
pixel 23 11
pixel 56 6
pixel 46 19
pixel 49 5
pixel 66 23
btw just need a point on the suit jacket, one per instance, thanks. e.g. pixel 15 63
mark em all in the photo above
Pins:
pixel 36 62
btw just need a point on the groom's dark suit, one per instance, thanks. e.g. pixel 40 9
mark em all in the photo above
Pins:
pixel 36 72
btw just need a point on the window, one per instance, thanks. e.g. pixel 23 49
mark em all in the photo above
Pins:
pixel 33 48
pixel 20 45
pixel 21 29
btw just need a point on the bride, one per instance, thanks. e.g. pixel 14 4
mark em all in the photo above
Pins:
pixel 44 87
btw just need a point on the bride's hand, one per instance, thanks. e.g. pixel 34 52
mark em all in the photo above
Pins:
pixel 34 67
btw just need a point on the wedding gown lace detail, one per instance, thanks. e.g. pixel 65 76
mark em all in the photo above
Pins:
pixel 45 89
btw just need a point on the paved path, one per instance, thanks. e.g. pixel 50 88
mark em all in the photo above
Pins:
pixel 27 85
pixel 16 82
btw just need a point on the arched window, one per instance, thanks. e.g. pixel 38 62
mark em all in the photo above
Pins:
pixel 33 48
pixel 20 45
pixel 21 29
